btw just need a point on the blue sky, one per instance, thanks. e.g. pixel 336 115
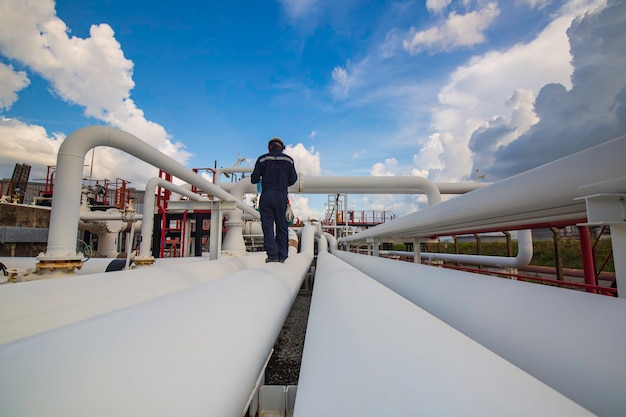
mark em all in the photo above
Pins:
pixel 436 88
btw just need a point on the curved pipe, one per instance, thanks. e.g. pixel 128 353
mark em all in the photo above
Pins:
pixel 67 187
pixel 332 241
pixel 147 226
pixel 551 333
pixel 517 202
pixel 523 258
pixel 322 244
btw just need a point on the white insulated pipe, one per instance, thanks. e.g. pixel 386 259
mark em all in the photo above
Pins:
pixel 68 178
pixel 363 185
pixel 196 352
pixel 322 244
pixel 367 185
pixel 31 307
pixel 332 241
pixel 147 226
pixel 233 240
pixel 523 258
pixel 397 360
pixel 517 202
pixel 572 341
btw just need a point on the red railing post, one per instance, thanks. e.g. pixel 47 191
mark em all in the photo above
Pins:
pixel 587 257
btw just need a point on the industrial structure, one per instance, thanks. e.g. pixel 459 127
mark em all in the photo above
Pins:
pixel 186 321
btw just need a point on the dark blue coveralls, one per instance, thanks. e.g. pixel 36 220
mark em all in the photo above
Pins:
pixel 276 171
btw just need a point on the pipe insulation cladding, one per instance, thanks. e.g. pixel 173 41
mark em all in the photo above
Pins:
pixel 513 203
pixel 196 352
pixel 31 307
pixel 370 352
pixel 573 341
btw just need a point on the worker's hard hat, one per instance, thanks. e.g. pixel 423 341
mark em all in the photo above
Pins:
pixel 276 140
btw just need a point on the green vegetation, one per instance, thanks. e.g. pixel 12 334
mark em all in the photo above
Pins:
pixel 543 251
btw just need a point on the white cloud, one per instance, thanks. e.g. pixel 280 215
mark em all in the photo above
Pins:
pixel 592 111
pixel 386 169
pixel 496 89
pixel 297 9
pixel 11 82
pixel 343 81
pixel 90 72
pixel 301 208
pixel 538 4
pixel 30 144
pixel 457 31
pixel 437 6
pixel 307 161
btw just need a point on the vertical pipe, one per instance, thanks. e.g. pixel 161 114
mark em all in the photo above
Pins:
pixel 587 255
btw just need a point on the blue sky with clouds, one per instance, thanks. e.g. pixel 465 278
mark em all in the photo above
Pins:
pixel 436 88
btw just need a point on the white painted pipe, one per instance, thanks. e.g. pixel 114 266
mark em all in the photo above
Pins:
pixel 332 241
pixel 233 240
pixel 523 258
pixel 322 244
pixel 217 178
pixel 521 201
pixel 67 187
pixel 368 185
pixel 362 185
pixel 31 307
pixel 196 352
pixel 307 240
pixel 107 215
pixel 552 333
pixel 370 352
pixel 147 227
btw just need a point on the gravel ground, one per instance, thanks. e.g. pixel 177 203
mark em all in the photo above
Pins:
pixel 284 365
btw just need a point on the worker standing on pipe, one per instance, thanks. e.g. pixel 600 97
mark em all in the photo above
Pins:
pixel 276 172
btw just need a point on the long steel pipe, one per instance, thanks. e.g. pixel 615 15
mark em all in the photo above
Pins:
pixel 67 187
pixel 517 202
pixel 370 352
pixel 196 352
pixel 363 185
pixel 32 307
pixel 551 333
pixel 524 254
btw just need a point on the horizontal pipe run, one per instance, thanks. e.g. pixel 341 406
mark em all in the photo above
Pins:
pixel 520 200
pixel 524 255
pixel 32 307
pixel 370 352
pixel 552 333
pixel 196 352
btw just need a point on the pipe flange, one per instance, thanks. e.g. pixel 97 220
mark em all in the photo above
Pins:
pixel 143 261
pixel 59 265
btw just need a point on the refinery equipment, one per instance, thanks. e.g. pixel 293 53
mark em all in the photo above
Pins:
pixel 191 335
